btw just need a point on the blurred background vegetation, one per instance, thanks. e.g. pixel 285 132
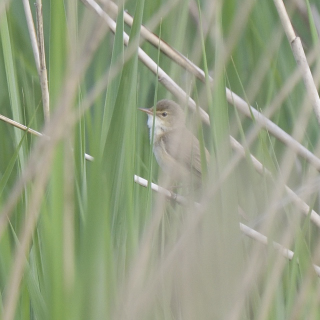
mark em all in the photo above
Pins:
pixel 80 240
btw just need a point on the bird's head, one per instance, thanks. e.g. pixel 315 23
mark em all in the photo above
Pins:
pixel 169 115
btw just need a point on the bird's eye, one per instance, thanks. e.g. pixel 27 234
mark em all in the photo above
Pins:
pixel 164 114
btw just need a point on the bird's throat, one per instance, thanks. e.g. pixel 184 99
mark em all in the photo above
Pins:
pixel 158 128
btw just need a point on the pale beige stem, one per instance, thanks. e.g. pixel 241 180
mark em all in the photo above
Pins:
pixel 37 44
pixel 32 33
pixel 300 57
pixel 34 132
pixel 43 69
pixel 19 125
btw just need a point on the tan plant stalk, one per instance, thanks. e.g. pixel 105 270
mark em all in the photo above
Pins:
pixel 34 132
pixel 287 253
pixel 178 198
pixel 32 33
pixel 300 57
pixel 38 52
pixel 42 64
pixel 20 126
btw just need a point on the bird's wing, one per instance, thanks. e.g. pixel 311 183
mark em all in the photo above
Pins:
pixel 185 149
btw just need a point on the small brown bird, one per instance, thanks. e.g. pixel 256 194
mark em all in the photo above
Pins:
pixel 176 149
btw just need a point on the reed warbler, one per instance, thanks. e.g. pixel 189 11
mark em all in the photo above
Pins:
pixel 175 147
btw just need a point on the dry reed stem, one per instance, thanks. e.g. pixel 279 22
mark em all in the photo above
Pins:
pixel 20 126
pixel 173 196
pixel 32 33
pixel 232 98
pixel 287 253
pixel 287 26
pixel 42 67
pixel 38 52
pixel 34 132
pixel 300 57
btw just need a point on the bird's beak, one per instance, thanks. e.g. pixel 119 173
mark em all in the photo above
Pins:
pixel 148 111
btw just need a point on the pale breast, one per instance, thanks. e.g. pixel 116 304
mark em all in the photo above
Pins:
pixel 167 163
pixel 163 159
pixel 169 158
pixel 157 127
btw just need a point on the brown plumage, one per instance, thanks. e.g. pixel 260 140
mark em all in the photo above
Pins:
pixel 176 149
